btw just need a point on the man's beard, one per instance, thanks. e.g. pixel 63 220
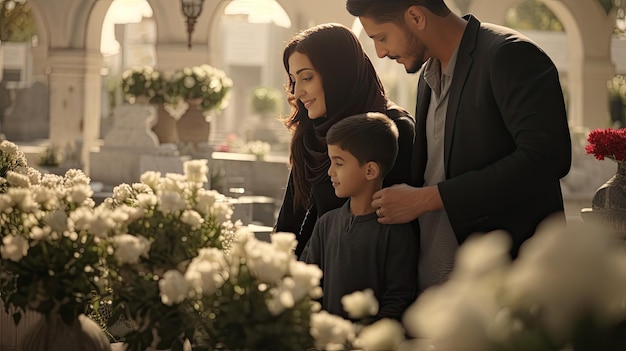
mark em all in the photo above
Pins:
pixel 417 50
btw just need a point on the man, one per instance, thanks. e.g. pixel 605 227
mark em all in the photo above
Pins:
pixel 492 139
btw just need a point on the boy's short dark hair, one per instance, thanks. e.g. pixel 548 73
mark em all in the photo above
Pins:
pixel 368 137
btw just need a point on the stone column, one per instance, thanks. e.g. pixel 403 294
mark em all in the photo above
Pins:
pixel 588 94
pixel 74 100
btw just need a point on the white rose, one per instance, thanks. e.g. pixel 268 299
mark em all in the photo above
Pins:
pixel 282 297
pixel 79 193
pixel 129 248
pixel 386 334
pixel 141 188
pixel 266 263
pixel 5 202
pixel 330 331
pixel 17 179
pixel 360 304
pixel 207 272
pixel 99 221
pixel 205 199
pixel 171 202
pixel 146 201
pixel 23 199
pixel 285 242
pixel 151 178
pixel 122 192
pixel 196 170
pixel 57 220
pixel 81 218
pixel 45 197
pixel 13 248
pixel 307 278
pixel 189 82
pixel 173 287
pixel 222 211
pixel 38 233
pixel 192 218
pixel 75 176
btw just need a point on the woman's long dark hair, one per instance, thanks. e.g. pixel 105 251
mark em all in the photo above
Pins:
pixel 351 86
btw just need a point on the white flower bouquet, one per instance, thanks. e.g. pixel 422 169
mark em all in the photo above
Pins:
pixel 143 81
pixel 206 84
pixel 11 159
pixel 256 297
pixel 332 332
pixel 50 259
pixel 258 148
pixel 161 224
pixel 566 290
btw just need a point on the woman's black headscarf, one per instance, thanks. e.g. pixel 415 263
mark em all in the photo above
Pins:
pixel 351 86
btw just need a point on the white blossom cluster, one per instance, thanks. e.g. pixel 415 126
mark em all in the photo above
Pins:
pixel 33 209
pixel 332 332
pixel 272 264
pixel 564 276
pixel 176 197
pixel 48 248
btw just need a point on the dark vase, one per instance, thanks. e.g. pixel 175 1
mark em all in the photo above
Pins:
pixel 165 127
pixel 609 201
pixel 193 126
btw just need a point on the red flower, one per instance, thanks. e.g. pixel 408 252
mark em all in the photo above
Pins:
pixel 609 143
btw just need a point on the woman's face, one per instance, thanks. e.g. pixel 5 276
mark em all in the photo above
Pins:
pixel 307 85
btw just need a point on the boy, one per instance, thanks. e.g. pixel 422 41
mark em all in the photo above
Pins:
pixel 354 251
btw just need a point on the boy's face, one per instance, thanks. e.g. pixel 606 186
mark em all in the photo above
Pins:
pixel 347 176
pixel 396 42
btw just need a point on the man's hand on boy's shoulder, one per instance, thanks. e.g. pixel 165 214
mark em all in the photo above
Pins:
pixel 403 203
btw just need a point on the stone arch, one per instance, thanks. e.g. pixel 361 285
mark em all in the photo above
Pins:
pixel 246 75
pixel 172 51
pixel 590 64
pixel 40 52
pixel 43 27
pixel 94 22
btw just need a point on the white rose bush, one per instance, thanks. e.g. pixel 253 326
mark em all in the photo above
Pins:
pixel 207 84
pixel 167 256
pixel 259 296
pixel 161 252
pixel 50 260
pixel 565 291
pixel 332 332
pixel 165 225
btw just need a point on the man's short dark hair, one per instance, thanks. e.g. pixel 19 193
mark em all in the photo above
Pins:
pixel 368 137
pixel 393 10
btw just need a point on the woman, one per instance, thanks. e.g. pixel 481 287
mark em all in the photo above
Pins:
pixel 330 78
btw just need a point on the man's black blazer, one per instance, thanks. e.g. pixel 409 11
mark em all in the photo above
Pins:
pixel 507 141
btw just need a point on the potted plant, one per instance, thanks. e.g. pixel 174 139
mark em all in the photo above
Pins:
pixel 194 94
pixel 203 86
pixel 264 125
pixel 265 100
pixel 143 83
